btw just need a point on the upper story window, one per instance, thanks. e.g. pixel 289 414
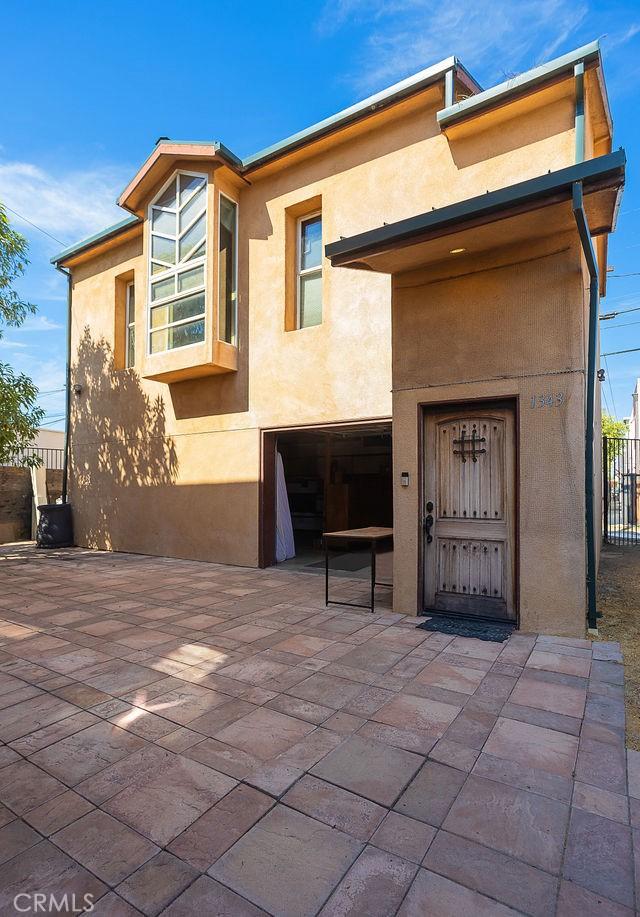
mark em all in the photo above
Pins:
pixel 177 254
pixel 130 326
pixel 228 271
pixel 309 271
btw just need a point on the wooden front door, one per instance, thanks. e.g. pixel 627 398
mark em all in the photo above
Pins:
pixel 469 511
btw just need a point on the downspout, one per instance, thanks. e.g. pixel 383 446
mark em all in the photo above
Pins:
pixel 578 72
pixel 449 88
pixel 65 457
pixel 592 265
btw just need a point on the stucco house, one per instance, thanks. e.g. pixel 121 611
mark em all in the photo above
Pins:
pixel 401 303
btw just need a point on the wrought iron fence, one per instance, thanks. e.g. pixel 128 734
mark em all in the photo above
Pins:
pixel 51 458
pixel 621 490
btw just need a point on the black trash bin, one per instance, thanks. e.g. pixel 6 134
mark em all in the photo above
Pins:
pixel 55 526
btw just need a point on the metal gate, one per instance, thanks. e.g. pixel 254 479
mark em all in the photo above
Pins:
pixel 621 490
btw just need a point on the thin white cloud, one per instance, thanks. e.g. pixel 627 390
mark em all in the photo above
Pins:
pixel 403 36
pixel 69 205
pixel 40 323
pixel 617 39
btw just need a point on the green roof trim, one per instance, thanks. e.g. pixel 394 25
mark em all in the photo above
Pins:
pixel 389 96
pixel 411 230
pixel 101 236
pixel 518 84
pixel 482 100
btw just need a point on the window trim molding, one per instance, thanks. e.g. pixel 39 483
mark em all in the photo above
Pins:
pixel 306 272
pixel 234 341
pixel 177 269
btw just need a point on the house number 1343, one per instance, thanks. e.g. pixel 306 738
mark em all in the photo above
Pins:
pixel 547 401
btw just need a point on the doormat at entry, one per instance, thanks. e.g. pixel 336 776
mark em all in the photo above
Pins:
pixel 496 631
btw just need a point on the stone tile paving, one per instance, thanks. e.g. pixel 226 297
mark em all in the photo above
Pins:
pixel 180 738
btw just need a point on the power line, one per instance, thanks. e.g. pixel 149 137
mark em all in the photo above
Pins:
pixel 608 315
pixel 614 353
pixel 632 274
pixel 35 225
pixel 621 325
pixel 613 400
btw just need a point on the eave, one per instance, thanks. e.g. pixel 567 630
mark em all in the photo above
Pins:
pixel 120 231
pixel 378 249
pixel 367 107
pixel 523 84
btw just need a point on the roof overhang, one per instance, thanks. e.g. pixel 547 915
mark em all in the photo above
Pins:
pixel 525 83
pixel 531 209
pixel 364 109
pixel 165 155
pixel 120 232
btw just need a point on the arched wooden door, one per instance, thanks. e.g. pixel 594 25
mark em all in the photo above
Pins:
pixel 469 512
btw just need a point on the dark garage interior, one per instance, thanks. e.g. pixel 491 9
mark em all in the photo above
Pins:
pixel 336 478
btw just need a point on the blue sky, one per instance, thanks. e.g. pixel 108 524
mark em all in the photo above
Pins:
pixel 90 87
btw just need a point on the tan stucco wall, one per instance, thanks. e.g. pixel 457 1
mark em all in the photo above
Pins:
pixel 513 331
pixel 196 444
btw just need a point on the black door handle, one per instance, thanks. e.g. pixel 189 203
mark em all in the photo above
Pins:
pixel 428 523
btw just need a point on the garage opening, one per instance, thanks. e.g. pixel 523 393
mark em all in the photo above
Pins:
pixel 331 479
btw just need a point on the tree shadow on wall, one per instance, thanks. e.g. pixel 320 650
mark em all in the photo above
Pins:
pixel 119 448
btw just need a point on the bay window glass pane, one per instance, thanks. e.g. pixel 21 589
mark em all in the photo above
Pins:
pixel 191 333
pixel 164 222
pixel 227 270
pixel 163 288
pixel 159 340
pixel 190 279
pixel 168 199
pixel 311 242
pixel 163 249
pixel 198 252
pixel 192 237
pixel 310 300
pixel 187 184
pixel 192 208
pixel 177 310
pixel 158 268
pixel 186 308
pixel 159 316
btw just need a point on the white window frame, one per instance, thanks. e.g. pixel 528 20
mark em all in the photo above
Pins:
pixel 305 272
pixel 221 194
pixel 130 324
pixel 176 269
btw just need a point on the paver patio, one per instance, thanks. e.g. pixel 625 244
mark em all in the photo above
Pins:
pixel 183 738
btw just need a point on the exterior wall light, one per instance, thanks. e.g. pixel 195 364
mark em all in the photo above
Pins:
pixel 457 251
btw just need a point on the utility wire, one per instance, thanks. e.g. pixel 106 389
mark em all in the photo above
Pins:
pixel 613 400
pixel 607 315
pixel 621 325
pixel 35 225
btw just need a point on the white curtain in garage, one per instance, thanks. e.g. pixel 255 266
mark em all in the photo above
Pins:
pixel 285 545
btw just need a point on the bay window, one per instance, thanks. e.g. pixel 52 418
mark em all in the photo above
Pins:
pixel 177 263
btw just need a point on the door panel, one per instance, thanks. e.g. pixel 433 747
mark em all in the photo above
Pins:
pixel 470 492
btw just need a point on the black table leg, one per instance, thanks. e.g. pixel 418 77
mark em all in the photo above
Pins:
pixel 373 574
pixel 326 572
